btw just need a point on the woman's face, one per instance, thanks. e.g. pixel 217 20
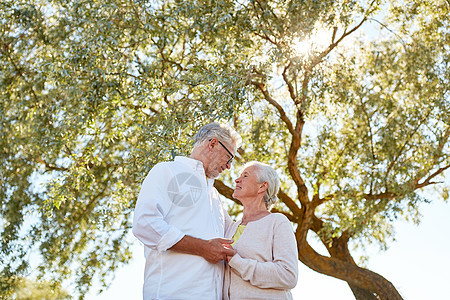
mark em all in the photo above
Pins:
pixel 247 185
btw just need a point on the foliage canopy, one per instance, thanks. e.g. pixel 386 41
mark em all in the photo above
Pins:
pixel 348 99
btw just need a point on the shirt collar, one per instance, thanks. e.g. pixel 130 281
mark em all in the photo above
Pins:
pixel 193 163
pixel 197 165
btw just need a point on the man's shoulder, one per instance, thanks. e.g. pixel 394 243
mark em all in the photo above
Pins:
pixel 170 167
pixel 161 166
pixel 161 170
pixel 167 164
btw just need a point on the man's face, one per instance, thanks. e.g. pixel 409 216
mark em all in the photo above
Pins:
pixel 221 157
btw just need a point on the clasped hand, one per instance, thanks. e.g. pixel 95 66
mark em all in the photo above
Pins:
pixel 219 249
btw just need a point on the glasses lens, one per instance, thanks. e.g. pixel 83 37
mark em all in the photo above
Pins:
pixel 232 156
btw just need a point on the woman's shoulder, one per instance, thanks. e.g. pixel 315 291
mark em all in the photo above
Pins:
pixel 280 217
pixel 272 218
pixel 277 218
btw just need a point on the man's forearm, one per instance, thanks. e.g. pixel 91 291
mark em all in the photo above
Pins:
pixel 189 245
pixel 213 250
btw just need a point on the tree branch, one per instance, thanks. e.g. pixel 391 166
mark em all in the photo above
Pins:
pixel 263 36
pixel 18 69
pixel 272 101
pixel 407 140
pixel 333 45
pixel 366 114
pixel 428 181
pixel 292 159
pixel 289 84
pixel 50 167
pixel 444 140
pixel 318 201
pixel 267 38
pixel 334 34
pixel 290 203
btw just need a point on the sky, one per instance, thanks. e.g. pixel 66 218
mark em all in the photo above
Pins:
pixel 417 263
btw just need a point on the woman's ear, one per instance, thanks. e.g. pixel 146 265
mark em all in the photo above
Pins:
pixel 264 186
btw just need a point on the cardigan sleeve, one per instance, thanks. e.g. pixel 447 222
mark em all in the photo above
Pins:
pixel 281 272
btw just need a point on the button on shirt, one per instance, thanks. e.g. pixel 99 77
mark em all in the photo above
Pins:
pixel 176 199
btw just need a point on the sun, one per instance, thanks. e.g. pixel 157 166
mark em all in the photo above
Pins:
pixel 316 41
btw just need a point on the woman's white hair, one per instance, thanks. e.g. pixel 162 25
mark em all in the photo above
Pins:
pixel 265 173
pixel 222 132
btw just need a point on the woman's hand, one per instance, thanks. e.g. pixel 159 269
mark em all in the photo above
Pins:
pixel 229 257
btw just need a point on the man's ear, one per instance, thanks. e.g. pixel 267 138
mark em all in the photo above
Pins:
pixel 212 143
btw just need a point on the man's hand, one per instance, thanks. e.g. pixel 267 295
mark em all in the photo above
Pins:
pixel 213 250
pixel 218 249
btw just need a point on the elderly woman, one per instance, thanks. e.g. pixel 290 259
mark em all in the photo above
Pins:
pixel 265 265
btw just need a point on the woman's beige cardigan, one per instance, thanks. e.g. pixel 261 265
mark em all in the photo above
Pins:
pixel 266 265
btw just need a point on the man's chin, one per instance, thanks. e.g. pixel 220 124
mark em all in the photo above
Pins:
pixel 213 175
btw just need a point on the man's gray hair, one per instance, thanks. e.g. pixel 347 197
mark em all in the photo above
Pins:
pixel 265 173
pixel 222 132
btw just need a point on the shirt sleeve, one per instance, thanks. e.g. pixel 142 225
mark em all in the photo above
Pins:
pixel 281 272
pixel 149 225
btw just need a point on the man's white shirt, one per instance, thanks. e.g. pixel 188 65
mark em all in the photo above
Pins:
pixel 176 199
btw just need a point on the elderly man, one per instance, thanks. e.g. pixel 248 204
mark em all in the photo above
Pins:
pixel 181 222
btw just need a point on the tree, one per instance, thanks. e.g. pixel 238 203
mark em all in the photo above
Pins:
pixel 94 94
pixel 33 290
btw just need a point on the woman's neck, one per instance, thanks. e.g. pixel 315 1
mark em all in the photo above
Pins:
pixel 254 211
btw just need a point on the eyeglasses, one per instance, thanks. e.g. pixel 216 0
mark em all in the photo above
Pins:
pixel 232 156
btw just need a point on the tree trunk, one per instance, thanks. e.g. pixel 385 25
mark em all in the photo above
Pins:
pixel 355 276
pixel 362 294
pixel 339 249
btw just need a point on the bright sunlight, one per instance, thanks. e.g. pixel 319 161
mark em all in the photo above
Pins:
pixel 318 40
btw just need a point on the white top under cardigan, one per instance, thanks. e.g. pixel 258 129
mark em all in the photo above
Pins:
pixel 176 199
pixel 266 263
